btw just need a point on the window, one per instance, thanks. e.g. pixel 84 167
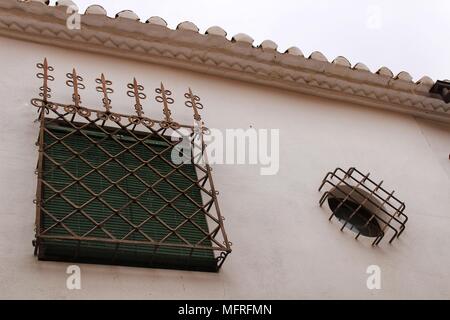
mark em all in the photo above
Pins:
pixel 355 217
pixel 362 205
pixel 109 193
pixel 99 189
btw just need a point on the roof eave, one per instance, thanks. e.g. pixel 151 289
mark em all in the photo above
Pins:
pixel 216 55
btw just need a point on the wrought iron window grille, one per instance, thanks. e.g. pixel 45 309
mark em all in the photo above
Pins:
pixel 189 226
pixel 363 205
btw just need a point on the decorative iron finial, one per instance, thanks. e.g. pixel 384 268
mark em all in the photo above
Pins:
pixel 45 76
pixel 164 98
pixel 75 83
pixel 138 95
pixel 194 103
pixel 105 89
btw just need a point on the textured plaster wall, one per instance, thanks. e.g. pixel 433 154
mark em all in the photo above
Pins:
pixel 284 245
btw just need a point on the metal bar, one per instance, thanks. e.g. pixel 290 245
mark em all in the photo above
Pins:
pixel 153 243
pixel 194 103
pixel 138 95
pixel 106 90
pixel 126 126
pixel 148 122
pixel 116 183
pixel 376 191
pixel 371 201
pixel 39 189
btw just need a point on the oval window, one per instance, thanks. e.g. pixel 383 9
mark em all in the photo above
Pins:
pixel 355 217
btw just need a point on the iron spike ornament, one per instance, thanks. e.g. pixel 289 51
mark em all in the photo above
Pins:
pixel 194 103
pixel 136 93
pixel 164 98
pixel 75 82
pixel 46 77
pixel 106 90
pixel 135 90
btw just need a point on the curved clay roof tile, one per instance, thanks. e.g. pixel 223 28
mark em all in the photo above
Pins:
pixel 425 80
pixel 216 31
pixel 342 61
pixel 361 66
pixel 96 9
pixel 187 25
pixel 405 76
pixel 128 14
pixel 158 21
pixel 384 71
pixel 242 37
pixel 268 45
pixel 318 56
pixel 294 51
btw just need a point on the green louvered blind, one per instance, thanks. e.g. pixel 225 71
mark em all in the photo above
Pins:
pixel 75 170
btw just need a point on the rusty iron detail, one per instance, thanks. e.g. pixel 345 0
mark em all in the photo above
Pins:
pixel 138 95
pixel 75 81
pixel 46 77
pixel 194 103
pixel 130 134
pixel 136 92
pixel 106 90
pixel 363 205
pixel 164 97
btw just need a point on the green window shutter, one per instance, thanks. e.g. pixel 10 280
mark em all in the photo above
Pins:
pixel 74 172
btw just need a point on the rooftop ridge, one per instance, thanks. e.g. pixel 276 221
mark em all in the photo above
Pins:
pixel 96 9
pixel 212 53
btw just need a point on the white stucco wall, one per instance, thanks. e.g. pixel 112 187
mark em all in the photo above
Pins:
pixel 283 244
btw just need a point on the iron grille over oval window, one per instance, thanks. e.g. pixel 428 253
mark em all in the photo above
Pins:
pixel 108 190
pixel 362 205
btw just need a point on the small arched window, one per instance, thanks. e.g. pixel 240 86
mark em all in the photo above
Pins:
pixel 355 217
pixel 362 205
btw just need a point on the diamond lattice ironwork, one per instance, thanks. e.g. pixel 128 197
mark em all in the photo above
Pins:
pixel 109 191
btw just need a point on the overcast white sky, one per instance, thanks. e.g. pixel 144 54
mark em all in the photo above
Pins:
pixel 410 35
